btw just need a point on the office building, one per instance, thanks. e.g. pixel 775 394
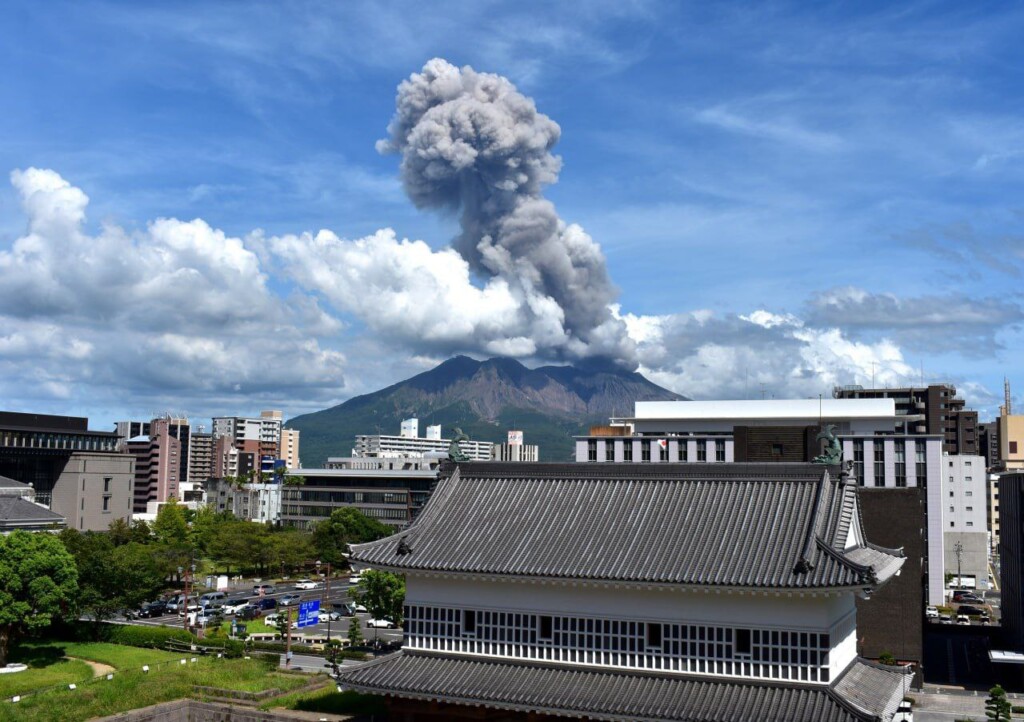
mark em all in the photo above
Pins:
pixel 1011 442
pixel 75 472
pixel 260 501
pixel 993 511
pixel 515 449
pixel 1011 553
pixel 934 409
pixel 391 490
pixel 988 433
pixel 409 443
pixel 965 538
pixel 290 448
pixel 536 591
pixel 175 426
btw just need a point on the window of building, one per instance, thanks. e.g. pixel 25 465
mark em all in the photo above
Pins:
pixel 627 450
pixel 106 503
pixel 106 484
pixel 742 641
pixel 591 450
pixel 879 464
pixel 952 479
pixel 609 451
pixel 967 463
pixel 544 627
pixel 901 462
pixel 951 495
pixel 970 508
pixel 653 636
pixel 858 460
pixel 683 452
pixel 719 450
pixel 968 493
pixel 663 450
pixel 645 450
pixel 777 449
pixel 951 510
pixel 468 621
pixel 970 523
pixel 920 463
pixel 1013 447
pixel 968 478
pixel 702 450
pixel 952 523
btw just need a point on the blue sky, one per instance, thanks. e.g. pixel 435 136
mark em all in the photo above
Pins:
pixel 786 194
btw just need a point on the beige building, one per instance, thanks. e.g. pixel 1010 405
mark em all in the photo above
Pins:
pixel 157 465
pixel 94 489
pixel 1011 441
pixel 290 448
pixel 200 457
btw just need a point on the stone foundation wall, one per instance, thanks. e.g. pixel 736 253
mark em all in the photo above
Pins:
pixel 188 710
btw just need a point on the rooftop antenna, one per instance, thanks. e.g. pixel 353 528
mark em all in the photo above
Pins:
pixel 762 390
pixel 873 374
pixel 1006 396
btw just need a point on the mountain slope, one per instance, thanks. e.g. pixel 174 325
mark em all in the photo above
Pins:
pixel 551 404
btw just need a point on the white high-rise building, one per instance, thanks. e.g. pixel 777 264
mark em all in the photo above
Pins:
pixel 410 428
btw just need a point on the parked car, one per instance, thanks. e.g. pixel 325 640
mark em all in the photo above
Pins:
pixel 963 619
pixel 904 713
pixel 208 619
pixel 931 612
pixel 967 609
pixel 266 588
pixel 945 619
pixel 381 623
pixel 355 579
pixel 265 603
pixel 153 609
pixel 306 584
pixel 966 596
pixel 192 608
pixel 212 598
pixel 272 620
pixel 290 599
pixel 345 609
pixel 249 611
pixel 330 617
pixel 356 607
pixel 233 606
pixel 174 603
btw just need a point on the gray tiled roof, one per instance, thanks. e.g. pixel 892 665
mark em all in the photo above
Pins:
pixel 611 695
pixel 874 688
pixel 8 483
pixel 15 509
pixel 740 525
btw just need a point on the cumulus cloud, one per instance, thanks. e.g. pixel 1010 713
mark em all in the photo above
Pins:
pixel 471 143
pixel 179 309
pixel 934 323
pixel 706 355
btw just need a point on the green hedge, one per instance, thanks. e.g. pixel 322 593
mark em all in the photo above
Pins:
pixel 139 636
pixel 305 649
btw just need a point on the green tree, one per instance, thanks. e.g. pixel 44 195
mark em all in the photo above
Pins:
pixel 38 581
pixel 141 532
pixel 242 544
pixel 345 526
pixel 383 595
pixel 170 527
pixel 291 548
pixel 355 634
pixel 284 619
pixel 120 532
pixel 997 706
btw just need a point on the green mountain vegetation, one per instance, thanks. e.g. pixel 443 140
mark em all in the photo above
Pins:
pixel 550 404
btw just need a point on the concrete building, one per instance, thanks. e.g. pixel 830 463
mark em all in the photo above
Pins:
pixel 290 448
pixel 515 449
pixel 200 457
pixel 536 591
pixel 260 436
pixel 988 433
pixel 157 464
pixel 260 502
pixel 409 443
pixel 75 472
pixel 934 409
pixel 175 426
pixel 993 512
pixel 1011 442
pixel 19 510
pixel 391 490
pixel 966 539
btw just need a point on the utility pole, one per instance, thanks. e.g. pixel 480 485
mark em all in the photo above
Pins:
pixel 288 639
pixel 958 550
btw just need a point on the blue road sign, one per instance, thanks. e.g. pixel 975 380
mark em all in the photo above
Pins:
pixel 309 613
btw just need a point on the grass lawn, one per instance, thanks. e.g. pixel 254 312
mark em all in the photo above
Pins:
pixel 42 672
pixel 117 656
pixel 252 626
pixel 132 689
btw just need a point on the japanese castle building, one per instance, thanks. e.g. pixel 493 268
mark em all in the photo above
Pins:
pixel 611 591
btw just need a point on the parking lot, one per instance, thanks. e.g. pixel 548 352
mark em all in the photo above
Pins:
pixel 339 595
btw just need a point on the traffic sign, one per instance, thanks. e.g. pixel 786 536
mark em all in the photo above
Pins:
pixel 309 613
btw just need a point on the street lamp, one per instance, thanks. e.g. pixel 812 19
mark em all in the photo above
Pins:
pixel 184 622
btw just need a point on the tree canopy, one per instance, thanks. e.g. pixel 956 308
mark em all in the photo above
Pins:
pixel 345 526
pixel 38 581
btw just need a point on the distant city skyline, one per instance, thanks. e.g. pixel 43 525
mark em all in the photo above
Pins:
pixel 785 197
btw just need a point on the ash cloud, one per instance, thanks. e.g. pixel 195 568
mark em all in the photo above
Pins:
pixel 471 143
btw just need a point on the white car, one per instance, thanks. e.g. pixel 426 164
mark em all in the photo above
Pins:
pixel 306 584
pixel 234 606
pixel 381 623
pixel 272 620
pixel 963 619
pixel 330 617
pixel 931 612
pixel 904 713
pixel 193 608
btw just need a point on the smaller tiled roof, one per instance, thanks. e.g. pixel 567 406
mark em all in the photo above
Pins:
pixel 778 526
pixel 876 689
pixel 17 511
pixel 7 483
pixel 617 695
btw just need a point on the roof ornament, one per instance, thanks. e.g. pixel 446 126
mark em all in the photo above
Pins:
pixel 403 548
pixel 455 452
pixel 833 455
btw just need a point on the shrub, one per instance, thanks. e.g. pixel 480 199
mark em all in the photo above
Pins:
pixel 1017 709
pixel 887 659
pixel 155 637
pixel 234 648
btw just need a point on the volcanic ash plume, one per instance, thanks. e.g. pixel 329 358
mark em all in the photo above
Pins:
pixel 471 142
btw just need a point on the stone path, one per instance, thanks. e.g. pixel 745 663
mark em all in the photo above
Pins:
pixel 98 668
